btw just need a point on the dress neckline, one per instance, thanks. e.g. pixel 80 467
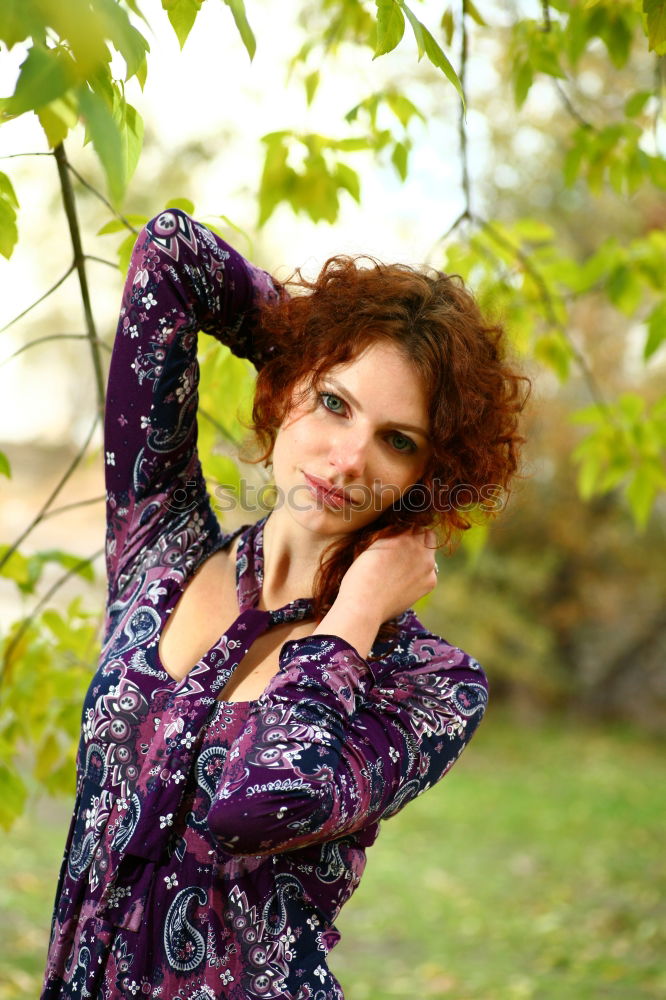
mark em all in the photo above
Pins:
pixel 250 575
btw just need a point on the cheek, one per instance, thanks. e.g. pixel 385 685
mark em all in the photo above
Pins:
pixel 296 438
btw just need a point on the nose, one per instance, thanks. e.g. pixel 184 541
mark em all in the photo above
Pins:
pixel 348 453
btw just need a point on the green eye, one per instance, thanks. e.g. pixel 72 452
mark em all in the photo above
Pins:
pixel 329 395
pixel 410 444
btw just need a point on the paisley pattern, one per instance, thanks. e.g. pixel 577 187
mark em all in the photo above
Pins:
pixel 212 844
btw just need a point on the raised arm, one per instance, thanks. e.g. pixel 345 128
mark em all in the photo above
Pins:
pixel 329 749
pixel 182 278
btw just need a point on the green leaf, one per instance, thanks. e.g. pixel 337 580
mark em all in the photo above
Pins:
pixel 67 560
pixel 655 11
pixel 13 797
pixel 184 204
pixel 618 38
pixel 311 85
pixel 142 73
pixel 640 493
pixel 471 9
pixel 438 59
pixel 44 76
pixel 523 77
pixel 417 28
pixel 58 118
pixel 399 159
pixel 106 139
pixel 18 21
pixel 130 127
pixel 8 205
pixel 631 406
pixel 117 226
pixel 348 179
pixel 403 108
pixel 16 568
pixel 625 289
pixel 277 178
pixel 591 468
pixel 48 756
pixel 553 350
pixel 351 145
pixel 447 25
pixel 593 414
pixel 656 330
pixel 636 102
pixel 5 468
pixel 124 36
pixel 124 252
pixel 182 14
pixel 390 26
pixel 237 8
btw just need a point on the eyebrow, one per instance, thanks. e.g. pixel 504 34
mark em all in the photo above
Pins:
pixel 355 402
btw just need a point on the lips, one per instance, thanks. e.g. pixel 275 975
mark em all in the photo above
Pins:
pixel 336 497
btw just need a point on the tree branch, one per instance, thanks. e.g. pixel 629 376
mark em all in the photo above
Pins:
pixel 462 126
pixel 72 506
pixel 566 101
pixel 659 93
pixel 40 299
pixel 547 299
pixel 14 156
pixel 27 622
pixel 217 425
pixel 51 336
pixel 98 194
pixel 63 479
pixel 101 260
pixel 80 264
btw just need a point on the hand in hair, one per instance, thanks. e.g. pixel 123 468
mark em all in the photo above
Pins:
pixel 392 573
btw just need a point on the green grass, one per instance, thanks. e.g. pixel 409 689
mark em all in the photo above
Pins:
pixel 536 869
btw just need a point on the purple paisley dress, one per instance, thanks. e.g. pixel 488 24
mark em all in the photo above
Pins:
pixel 212 844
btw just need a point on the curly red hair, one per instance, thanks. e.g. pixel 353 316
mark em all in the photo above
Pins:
pixel 474 395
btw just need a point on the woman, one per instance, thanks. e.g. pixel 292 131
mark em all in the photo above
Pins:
pixel 238 755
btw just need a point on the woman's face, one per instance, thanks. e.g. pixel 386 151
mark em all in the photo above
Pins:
pixel 364 431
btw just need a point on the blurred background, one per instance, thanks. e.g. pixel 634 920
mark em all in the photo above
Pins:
pixel 536 869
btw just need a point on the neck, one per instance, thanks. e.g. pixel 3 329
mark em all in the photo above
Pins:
pixel 291 559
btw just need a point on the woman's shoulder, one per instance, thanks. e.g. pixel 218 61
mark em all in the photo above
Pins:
pixel 418 649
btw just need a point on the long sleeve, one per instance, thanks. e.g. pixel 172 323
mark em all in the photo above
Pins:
pixel 182 278
pixel 329 748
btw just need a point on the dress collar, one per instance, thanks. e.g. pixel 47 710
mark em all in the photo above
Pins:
pixel 250 575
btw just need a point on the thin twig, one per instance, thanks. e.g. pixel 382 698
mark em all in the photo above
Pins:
pixel 547 299
pixel 51 336
pixel 98 194
pixel 14 156
pixel 80 264
pixel 72 506
pixel 574 112
pixel 40 299
pixel 45 506
pixel 462 126
pixel 463 217
pixel 465 183
pixel 658 89
pixel 218 426
pixel 27 622
pixel 101 260
pixel 564 97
